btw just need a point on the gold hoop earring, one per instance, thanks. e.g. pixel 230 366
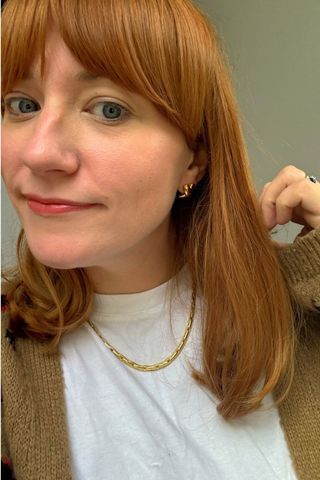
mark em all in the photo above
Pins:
pixel 187 190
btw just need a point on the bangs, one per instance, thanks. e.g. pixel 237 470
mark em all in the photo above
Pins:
pixel 151 47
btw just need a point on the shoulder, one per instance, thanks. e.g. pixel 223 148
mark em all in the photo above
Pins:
pixel 24 362
pixel 16 346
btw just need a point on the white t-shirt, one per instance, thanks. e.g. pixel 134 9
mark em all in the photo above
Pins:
pixel 126 424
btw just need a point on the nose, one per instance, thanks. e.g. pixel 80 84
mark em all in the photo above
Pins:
pixel 49 148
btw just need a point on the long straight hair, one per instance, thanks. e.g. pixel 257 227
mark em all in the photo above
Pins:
pixel 167 51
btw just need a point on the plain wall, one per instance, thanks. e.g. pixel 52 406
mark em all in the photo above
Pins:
pixel 274 53
pixel 273 47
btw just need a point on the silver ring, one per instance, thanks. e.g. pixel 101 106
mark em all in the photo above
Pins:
pixel 312 178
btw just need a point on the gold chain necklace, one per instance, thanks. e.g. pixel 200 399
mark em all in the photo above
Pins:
pixel 154 366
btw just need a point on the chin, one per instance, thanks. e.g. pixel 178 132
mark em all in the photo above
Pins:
pixel 54 262
pixel 59 253
pixel 59 258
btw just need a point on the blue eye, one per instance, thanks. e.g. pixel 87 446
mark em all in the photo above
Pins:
pixel 18 106
pixel 110 111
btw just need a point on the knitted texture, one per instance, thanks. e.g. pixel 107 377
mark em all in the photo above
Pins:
pixel 300 411
pixel 301 265
pixel 34 431
pixel 33 411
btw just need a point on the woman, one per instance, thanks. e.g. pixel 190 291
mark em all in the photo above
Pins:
pixel 152 326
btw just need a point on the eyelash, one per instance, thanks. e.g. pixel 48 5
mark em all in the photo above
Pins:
pixel 7 105
pixel 124 111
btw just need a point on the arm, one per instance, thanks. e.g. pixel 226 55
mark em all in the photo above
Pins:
pixel 6 465
pixel 300 263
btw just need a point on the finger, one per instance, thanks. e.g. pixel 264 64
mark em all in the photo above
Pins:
pixel 263 191
pixel 287 176
pixel 301 201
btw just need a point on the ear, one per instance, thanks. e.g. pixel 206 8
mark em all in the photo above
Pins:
pixel 196 168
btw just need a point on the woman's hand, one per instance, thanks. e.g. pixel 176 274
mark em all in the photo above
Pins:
pixel 291 197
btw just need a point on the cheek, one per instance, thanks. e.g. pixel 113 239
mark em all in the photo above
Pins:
pixel 139 167
pixel 9 156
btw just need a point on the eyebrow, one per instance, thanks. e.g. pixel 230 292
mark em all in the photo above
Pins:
pixel 83 76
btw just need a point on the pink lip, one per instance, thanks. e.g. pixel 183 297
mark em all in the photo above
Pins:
pixel 55 205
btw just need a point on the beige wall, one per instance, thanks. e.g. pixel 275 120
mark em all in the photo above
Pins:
pixel 274 51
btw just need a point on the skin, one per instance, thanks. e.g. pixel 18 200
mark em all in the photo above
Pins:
pixel 132 168
pixel 290 196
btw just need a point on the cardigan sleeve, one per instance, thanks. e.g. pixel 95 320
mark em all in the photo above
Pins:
pixel 6 470
pixel 300 264
pixel 6 465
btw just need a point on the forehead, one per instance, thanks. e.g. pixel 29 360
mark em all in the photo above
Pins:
pixel 60 63
pixel 56 56
pixel 52 57
pixel 64 75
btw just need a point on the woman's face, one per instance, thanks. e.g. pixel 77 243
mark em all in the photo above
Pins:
pixel 74 137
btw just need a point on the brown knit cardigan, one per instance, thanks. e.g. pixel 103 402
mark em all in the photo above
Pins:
pixel 34 430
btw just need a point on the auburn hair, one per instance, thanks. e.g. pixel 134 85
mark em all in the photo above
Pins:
pixel 168 51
